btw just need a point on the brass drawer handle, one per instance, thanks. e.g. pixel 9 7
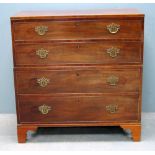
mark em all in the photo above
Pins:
pixel 42 53
pixel 112 108
pixel 113 52
pixel 113 28
pixel 43 82
pixel 41 30
pixel 44 109
pixel 112 80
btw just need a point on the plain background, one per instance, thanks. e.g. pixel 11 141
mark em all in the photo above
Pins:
pixel 7 96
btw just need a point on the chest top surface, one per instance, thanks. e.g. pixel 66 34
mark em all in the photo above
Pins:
pixel 99 13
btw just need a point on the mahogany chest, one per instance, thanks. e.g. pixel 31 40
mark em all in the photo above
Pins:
pixel 78 68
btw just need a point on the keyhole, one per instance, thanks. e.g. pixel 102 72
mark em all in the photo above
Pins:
pixel 77 74
pixel 78 46
pixel 77 100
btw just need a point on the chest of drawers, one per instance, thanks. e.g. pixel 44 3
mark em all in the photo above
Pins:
pixel 79 68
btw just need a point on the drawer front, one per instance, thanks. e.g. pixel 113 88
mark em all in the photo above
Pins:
pixel 51 109
pixel 84 80
pixel 63 30
pixel 78 53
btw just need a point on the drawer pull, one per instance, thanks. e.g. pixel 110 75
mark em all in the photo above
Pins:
pixel 113 52
pixel 42 53
pixel 112 108
pixel 41 30
pixel 43 82
pixel 112 80
pixel 113 28
pixel 44 109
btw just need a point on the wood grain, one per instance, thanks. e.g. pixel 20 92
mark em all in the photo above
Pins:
pixel 22 132
pixel 78 108
pixel 78 53
pixel 120 13
pixel 135 131
pixel 85 80
pixel 78 66
pixel 77 30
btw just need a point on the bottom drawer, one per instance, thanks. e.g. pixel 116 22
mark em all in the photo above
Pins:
pixel 57 109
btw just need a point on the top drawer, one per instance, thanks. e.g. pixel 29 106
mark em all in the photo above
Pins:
pixel 78 30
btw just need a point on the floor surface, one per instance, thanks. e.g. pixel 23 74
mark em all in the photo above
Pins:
pixel 73 139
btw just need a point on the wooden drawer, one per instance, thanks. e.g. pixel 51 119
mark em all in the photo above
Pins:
pixel 51 109
pixel 78 80
pixel 78 29
pixel 78 53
